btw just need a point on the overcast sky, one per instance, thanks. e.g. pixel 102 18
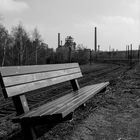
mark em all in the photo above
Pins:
pixel 117 21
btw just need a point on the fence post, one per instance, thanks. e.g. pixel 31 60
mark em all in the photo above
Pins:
pixel 90 57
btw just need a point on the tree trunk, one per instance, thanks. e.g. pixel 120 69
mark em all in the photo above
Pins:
pixel 4 52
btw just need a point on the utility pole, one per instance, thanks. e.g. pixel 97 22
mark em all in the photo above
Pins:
pixel 126 54
pixel 90 59
pixel 58 40
pixel 131 53
pixel 138 52
pixel 95 40
pixel 109 51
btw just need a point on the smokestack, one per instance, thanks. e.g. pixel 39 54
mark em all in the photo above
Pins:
pixel 95 41
pixel 58 39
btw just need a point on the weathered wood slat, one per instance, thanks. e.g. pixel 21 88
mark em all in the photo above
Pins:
pixel 20 89
pixel 28 78
pixel 68 103
pixel 72 106
pixel 71 101
pixel 52 104
pixel 20 70
pixel 57 105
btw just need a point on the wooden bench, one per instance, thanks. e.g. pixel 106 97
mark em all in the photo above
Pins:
pixel 16 81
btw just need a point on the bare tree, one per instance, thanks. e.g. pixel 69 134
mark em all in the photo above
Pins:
pixel 37 42
pixel 3 43
pixel 20 39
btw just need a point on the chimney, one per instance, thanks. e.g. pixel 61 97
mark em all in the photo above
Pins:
pixel 95 41
pixel 58 39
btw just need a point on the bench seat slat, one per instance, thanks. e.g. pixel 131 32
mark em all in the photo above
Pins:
pixel 65 101
pixel 48 105
pixel 52 104
pixel 69 105
pixel 19 89
pixel 73 105
pixel 85 94
pixel 69 102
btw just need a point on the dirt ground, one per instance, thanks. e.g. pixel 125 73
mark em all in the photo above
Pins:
pixel 111 115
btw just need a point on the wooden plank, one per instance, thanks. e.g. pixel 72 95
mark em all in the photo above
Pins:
pixel 28 78
pixel 56 106
pixel 63 102
pixel 73 101
pixel 20 89
pixel 52 104
pixel 19 70
pixel 63 105
pixel 65 110
pixel 46 106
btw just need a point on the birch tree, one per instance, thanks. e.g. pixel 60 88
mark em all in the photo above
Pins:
pixel 36 42
pixel 3 43
pixel 20 42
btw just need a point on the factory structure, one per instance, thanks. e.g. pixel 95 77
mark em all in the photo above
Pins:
pixel 68 50
pixel 69 43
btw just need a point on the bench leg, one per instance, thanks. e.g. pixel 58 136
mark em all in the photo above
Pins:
pixel 21 104
pixel 103 90
pixel 29 132
pixel 84 105
pixel 75 84
pixel 69 117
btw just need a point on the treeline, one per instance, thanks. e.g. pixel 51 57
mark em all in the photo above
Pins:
pixel 18 47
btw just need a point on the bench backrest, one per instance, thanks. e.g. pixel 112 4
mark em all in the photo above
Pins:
pixel 21 79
